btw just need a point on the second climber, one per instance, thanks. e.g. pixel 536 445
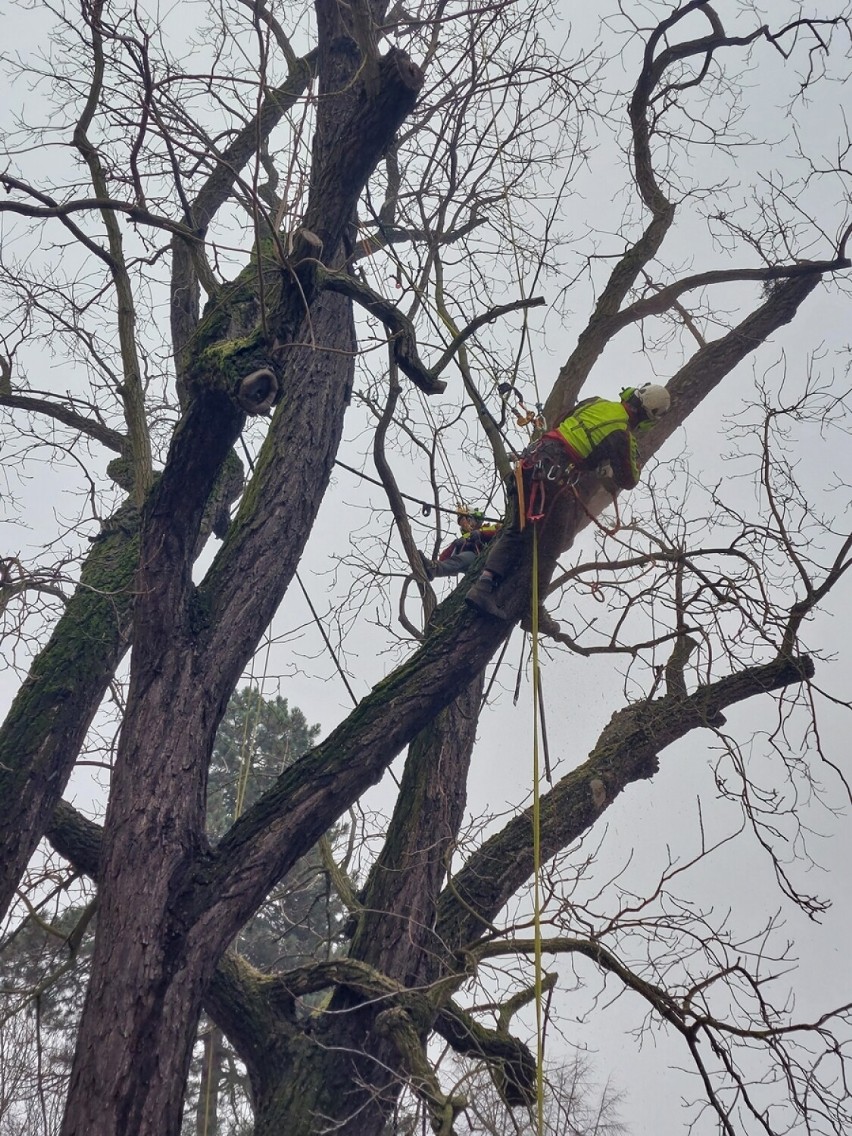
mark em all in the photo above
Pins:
pixel 457 557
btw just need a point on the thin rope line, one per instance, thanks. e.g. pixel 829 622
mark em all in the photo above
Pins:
pixel 539 1024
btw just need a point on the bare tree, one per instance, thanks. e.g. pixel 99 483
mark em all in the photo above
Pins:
pixel 415 167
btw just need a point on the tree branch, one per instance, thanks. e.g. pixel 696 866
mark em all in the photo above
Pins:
pixel 88 426
pixel 627 751
pixel 403 342
pixel 184 299
pixel 63 210
pixel 667 297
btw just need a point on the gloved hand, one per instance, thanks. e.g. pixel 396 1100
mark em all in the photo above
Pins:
pixel 607 477
pixel 428 566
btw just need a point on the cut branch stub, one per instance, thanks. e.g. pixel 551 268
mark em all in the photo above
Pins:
pixel 358 134
pixel 258 392
pixel 243 367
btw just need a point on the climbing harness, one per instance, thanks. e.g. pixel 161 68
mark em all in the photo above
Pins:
pixel 545 473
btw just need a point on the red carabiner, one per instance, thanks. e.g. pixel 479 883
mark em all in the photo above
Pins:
pixel 537 489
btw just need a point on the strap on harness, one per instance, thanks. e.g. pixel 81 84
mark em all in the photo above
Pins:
pixel 536 497
pixel 544 472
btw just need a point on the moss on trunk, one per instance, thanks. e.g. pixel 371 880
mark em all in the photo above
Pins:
pixel 47 723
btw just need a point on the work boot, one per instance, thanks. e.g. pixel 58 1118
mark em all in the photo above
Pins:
pixel 428 566
pixel 483 596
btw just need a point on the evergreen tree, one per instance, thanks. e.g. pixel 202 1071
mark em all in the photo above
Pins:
pixel 257 740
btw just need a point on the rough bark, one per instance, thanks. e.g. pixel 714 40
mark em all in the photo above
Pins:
pixel 345 1064
pixel 394 937
pixel 47 723
pixel 211 895
pixel 260 1012
pixel 627 751
pixel 184 291
pixel 153 957
pixel 395 931
pixel 170 904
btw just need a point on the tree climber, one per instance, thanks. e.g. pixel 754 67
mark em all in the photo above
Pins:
pixel 458 556
pixel 598 435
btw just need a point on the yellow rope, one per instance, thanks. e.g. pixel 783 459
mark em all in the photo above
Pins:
pixel 246 762
pixel 539 1024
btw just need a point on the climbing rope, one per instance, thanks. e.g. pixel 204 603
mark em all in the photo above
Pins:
pixel 246 761
pixel 604 528
pixel 536 682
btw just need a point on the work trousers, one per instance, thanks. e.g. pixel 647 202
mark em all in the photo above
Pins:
pixel 548 462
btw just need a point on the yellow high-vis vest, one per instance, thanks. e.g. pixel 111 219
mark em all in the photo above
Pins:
pixel 591 423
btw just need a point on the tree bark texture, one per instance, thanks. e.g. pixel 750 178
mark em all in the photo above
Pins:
pixel 153 956
pixel 341 1064
pixel 47 724
pixel 394 937
pixel 169 903
pixel 205 897
pixel 394 932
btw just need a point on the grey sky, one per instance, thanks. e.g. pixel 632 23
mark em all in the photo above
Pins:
pixel 651 821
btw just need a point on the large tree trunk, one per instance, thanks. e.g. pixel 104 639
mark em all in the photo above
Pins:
pixel 395 937
pixel 346 1068
pixel 158 913
pixel 345 1063
pixel 142 1012
pixel 154 954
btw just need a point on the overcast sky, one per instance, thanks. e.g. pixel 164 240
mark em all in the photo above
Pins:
pixel 651 821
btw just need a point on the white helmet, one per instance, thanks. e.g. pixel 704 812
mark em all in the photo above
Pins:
pixel 654 399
